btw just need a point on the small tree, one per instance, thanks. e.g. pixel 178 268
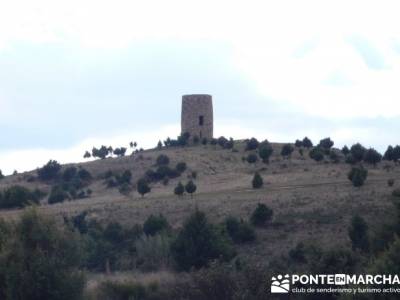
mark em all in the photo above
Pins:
pixel 49 171
pixel 229 144
pixel 41 261
pixel 179 189
pixel 307 143
pixel 57 194
pixel 159 145
pixel 358 152
pixel 345 150
pixel 265 151
pixel 143 187
pixel 120 151
pixel 87 155
pixel 372 156
pixel 252 144
pixel 181 167
pixel 316 154
pixel 298 143
pixel 287 150
pixel 326 143
pixel 257 181
pixel 251 158
pixel 388 153
pixel 155 224
pixel 1 175
pixel 261 215
pixel 162 159
pixel 358 233
pixel 239 231
pixel 102 152
pixel 199 242
pixel 349 159
pixel 190 188
pixel 357 176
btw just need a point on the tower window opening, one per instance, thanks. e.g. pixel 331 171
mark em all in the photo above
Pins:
pixel 201 120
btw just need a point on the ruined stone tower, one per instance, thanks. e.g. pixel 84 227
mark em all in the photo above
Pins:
pixel 197 116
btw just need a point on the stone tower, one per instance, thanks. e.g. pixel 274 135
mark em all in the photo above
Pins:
pixel 197 116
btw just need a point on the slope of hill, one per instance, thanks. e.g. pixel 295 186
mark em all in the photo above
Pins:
pixel 311 200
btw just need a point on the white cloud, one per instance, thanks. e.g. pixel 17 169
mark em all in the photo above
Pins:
pixel 30 159
pixel 336 59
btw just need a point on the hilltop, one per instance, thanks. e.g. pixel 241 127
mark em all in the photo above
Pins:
pixel 311 200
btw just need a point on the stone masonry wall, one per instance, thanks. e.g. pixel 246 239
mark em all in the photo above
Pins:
pixel 195 107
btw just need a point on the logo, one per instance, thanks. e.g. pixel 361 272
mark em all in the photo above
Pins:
pixel 280 284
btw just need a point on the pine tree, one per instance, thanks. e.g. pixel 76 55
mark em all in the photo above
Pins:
pixel 179 189
pixel 190 188
pixel 257 181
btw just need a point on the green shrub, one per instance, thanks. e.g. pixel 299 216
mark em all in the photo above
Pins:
pixel 298 253
pixel 334 157
pixel 18 196
pixel 358 152
pixel 69 173
pixel 49 171
pixel 41 261
pixel 358 233
pixel 389 261
pixel 372 156
pixel 102 152
pixel 179 189
pixel 162 160
pixel 261 215
pixel 252 144
pixel 181 167
pixel 125 189
pixel 1 175
pixel 287 150
pixel 153 252
pixel 298 143
pixel 198 242
pixel 119 151
pixel 396 193
pixel 345 150
pixel 251 158
pixel 222 141
pixel 334 261
pixel 143 187
pixel 257 181
pixel 307 143
pixel 239 231
pixel 326 143
pixel 265 151
pixel 316 154
pixel 155 224
pixel 349 159
pixel 388 155
pixel 190 188
pixel 357 176
pixel 57 194
pixel 229 144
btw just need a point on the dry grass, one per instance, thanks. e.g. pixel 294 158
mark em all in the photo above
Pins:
pixel 310 200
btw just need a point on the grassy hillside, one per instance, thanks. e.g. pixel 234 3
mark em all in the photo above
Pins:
pixel 311 200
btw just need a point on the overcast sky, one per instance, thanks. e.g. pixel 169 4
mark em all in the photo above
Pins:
pixel 76 74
